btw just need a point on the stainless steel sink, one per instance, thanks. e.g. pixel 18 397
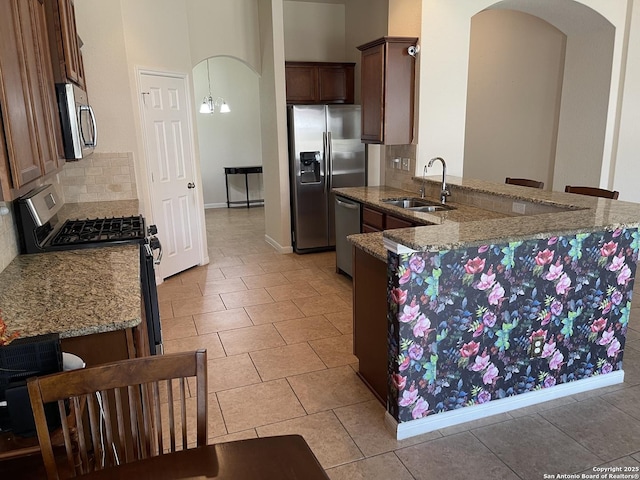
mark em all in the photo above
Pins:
pixel 417 204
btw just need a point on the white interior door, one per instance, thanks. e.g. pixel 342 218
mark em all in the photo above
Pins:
pixel 170 162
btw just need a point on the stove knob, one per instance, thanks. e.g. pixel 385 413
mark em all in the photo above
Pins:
pixel 152 230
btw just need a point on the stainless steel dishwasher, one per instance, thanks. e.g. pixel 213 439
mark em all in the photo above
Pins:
pixel 347 223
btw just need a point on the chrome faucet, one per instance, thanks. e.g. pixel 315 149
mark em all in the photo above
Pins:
pixel 422 188
pixel 444 192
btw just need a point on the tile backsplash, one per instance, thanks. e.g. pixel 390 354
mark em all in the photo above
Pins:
pixel 101 177
pixel 396 177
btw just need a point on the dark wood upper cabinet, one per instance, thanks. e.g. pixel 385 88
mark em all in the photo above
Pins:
pixel 388 85
pixel 30 129
pixel 65 44
pixel 319 82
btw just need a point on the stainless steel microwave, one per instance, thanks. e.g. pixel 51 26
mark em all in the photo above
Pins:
pixel 79 128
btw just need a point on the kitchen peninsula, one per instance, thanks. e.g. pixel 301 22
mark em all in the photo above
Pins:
pixel 490 312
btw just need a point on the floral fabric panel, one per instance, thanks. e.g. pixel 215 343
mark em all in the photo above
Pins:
pixel 461 322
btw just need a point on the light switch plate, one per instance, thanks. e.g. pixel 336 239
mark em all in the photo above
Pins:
pixel 405 164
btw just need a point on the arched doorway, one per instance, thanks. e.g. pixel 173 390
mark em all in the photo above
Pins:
pixel 538 93
pixel 228 139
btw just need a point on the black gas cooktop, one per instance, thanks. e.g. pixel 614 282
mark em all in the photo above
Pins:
pixel 99 230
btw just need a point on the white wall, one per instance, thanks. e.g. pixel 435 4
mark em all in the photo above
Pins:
pixel 405 18
pixel 232 139
pixel 583 115
pixel 444 68
pixel 513 103
pixel 120 36
pixel 359 33
pixel 224 27
pixel 107 73
pixel 314 32
pixel 627 168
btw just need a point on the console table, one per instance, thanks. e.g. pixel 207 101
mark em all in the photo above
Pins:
pixel 242 171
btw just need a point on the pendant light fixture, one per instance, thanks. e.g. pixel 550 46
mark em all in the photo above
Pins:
pixel 208 104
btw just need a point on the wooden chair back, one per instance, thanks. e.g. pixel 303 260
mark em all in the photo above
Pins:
pixel 524 182
pixel 593 192
pixel 123 411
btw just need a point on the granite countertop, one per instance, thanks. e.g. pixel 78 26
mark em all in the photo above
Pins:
pixel 471 226
pixel 373 243
pixel 374 195
pixel 73 293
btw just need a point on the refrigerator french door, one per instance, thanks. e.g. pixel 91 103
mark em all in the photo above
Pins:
pixel 325 152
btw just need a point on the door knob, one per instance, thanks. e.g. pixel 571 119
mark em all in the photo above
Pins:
pixel 191 185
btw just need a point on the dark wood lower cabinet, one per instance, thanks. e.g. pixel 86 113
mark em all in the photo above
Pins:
pixel 375 221
pixel 370 321
pixel 105 347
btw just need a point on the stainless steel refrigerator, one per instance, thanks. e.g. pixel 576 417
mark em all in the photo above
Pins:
pixel 325 152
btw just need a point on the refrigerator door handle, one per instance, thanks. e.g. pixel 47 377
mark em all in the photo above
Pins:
pixel 325 153
pixel 329 163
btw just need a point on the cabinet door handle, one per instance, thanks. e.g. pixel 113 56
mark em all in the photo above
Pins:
pixel 191 185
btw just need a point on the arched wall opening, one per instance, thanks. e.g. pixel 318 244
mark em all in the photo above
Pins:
pixel 228 139
pixel 538 93
pixel 444 67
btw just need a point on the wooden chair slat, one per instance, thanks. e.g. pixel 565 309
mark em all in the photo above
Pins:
pixel 110 447
pixel 62 411
pixel 135 431
pixel 84 457
pixel 146 420
pixel 125 450
pixel 183 413
pixel 172 423
pixel 157 416
pixel 202 399
pixel 96 444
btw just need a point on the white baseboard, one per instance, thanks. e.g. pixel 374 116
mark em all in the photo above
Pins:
pixel 454 417
pixel 277 246
pixel 215 205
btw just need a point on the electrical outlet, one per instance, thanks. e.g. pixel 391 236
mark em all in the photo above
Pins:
pixel 537 344
pixel 405 164
pixel 518 207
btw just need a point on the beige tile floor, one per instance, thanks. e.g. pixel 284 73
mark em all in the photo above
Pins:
pixel 278 333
